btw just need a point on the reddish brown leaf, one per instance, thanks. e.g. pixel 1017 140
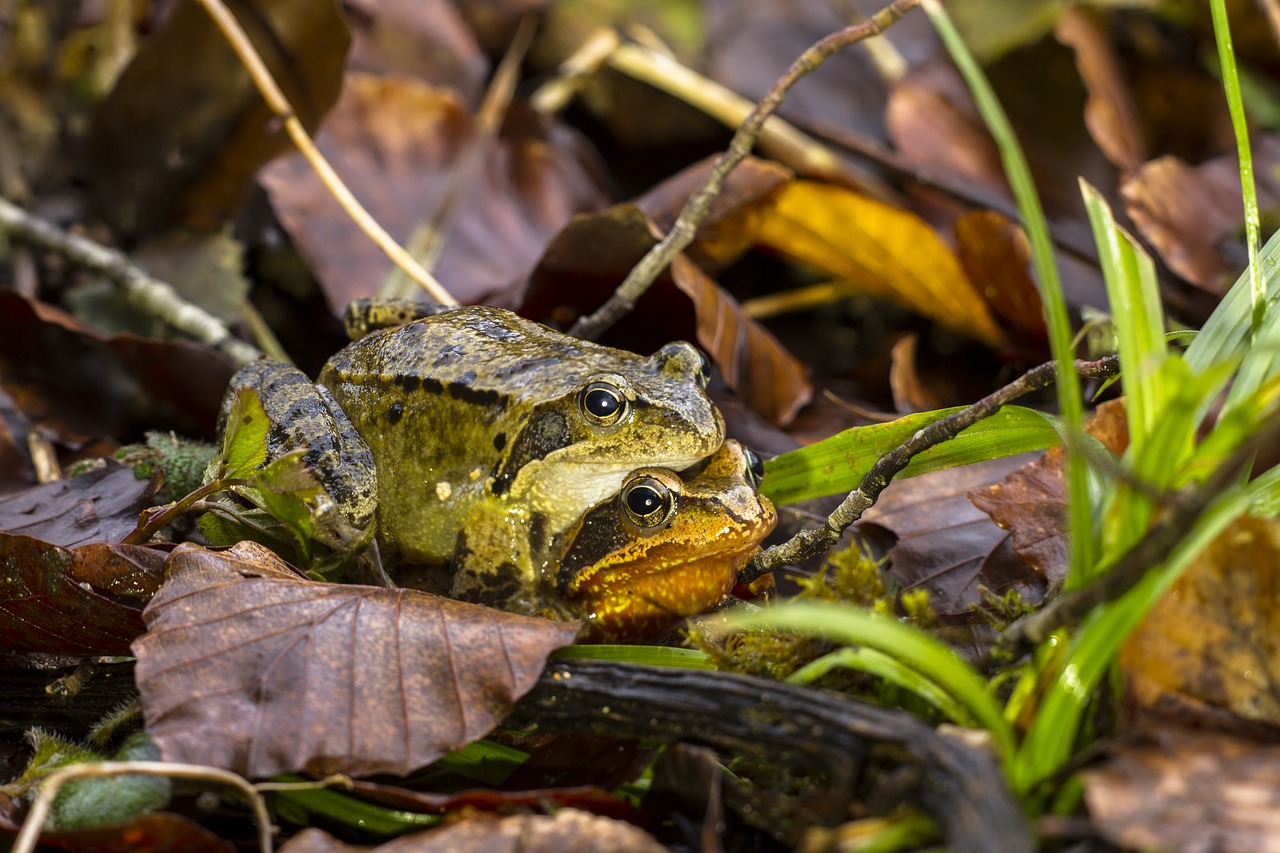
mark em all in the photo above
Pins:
pixel 247 666
pixel 65 375
pixel 592 255
pixel 1190 214
pixel 1030 502
pixel 100 506
pixel 83 602
pixel 426 39
pixel 994 251
pixel 395 140
pixel 567 829
pixel 1110 114
pixel 948 547
pixel 155 832
pixel 1188 791
pixel 156 162
pixel 909 391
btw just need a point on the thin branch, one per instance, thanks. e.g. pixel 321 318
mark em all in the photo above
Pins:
pixel 1272 8
pixel 817 541
pixel 32 826
pixel 149 294
pixel 644 273
pixel 278 104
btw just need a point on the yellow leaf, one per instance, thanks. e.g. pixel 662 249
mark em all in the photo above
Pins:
pixel 870 247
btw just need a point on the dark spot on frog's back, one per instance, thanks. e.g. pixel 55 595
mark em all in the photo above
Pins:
pixel 500 441
pixel 484 397
pixel 409 382
pixel 395 413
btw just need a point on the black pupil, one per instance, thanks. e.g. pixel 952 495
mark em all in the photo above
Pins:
pixel 755 466
pixel 643 500
pixel 601 403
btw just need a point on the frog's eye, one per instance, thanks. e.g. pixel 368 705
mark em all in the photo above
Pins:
pixel 602 404
pixel 647 502
pixel 755 468
pixel 704 371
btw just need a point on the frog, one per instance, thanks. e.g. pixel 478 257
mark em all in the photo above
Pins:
pixel 426 427
pixel 668 545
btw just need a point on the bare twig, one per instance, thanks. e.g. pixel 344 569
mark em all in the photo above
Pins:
pixel 1166 533
pixel 696 209
pixel 817 541
pixel 1272 8
pixel 276 100
pixel 149 294
pixel 30 834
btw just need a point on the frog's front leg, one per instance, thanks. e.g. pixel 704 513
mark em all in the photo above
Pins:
pixel 303 415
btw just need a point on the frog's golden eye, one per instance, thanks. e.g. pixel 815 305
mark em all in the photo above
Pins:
pixel 755 468
pixel 647 502
pixel 602 404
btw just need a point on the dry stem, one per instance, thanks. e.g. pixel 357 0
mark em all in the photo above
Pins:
pixel 280 106
pixel 696 209
pixel 152 295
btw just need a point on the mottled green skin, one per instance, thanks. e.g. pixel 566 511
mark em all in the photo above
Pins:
pixel 475 413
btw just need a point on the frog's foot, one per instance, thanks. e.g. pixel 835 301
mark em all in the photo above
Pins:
pixel 369 315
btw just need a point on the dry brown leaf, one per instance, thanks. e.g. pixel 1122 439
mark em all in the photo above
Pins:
pixel 1031 502
pixel 99 506
pixel 909 392
pixel 83 602
pixel 426 39
pixel 592 255
pixel 871 248
pixel 946 546
pixel 567 829
pixel 1214 638
pixel 249 667
pixel 1194 215
pixel 1110 113
pixel 156 162
pixel 1189 792
pixel 394 141
pixel 993 250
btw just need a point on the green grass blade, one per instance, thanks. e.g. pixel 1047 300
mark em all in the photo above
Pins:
pixel 1083 543
pixel 837 464
pixel 1134 296
pixel 1050 738
pixel 913 648
pixel 889 668
pixel 640 655
pixel 1235 104
pixel 1227 334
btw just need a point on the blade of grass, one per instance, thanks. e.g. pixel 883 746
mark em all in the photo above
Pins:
pixel 838 463
pixel 889 668
pixel 642 655
pixel 1235 104
pixel 1083 545
pixel 912 648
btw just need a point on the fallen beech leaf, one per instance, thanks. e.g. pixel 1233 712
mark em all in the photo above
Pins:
pixel 396 140
pixel 1215 636
pixel 593 254
pixel 160 831
pixel 567 829
pixel 1031 503
pixel 1194 215
pixel 83 602
pixel 99 506
pixel 909 392
pixel 155 161
pixel 994 251
pixel 68 376
pixel 249 667
pixel 1188 791
pixel 948 547
pixel 426 39
pixel 872 248
pixel 1110 113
